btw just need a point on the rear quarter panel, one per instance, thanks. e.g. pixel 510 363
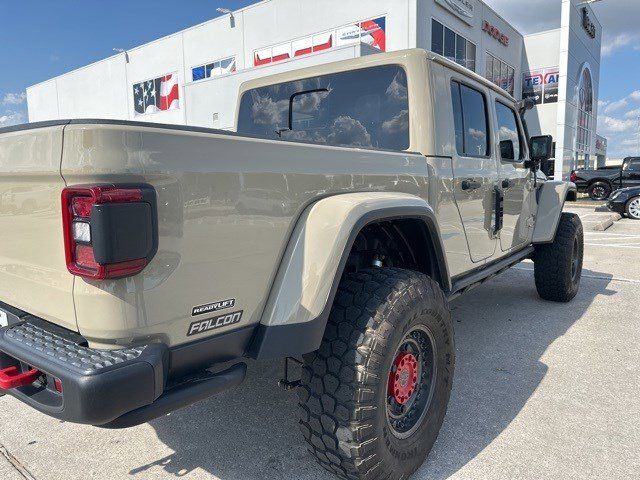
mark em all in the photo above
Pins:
pixel 210 249
pixel 33 273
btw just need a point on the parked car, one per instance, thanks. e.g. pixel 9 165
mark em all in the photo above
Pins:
pixel 626 201
pixel 411 182
pixel 600 183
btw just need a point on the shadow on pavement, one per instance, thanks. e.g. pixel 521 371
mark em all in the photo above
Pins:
pixel 502 331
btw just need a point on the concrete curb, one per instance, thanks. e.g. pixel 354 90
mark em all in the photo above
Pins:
pixel 604 224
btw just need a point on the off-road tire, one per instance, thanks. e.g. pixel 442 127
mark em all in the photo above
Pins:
pixel 344 390
pixel 599 190
pixel 558 265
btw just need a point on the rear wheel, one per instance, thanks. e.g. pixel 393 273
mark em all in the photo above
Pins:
pixel 633 208
pixel 374 396
pixel 558 265
pixel 599 191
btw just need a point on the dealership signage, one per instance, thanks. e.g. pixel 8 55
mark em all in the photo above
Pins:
pixel 495 33
pixel 463 9
pixel 372 32
pixel 588 24
pixel 541 85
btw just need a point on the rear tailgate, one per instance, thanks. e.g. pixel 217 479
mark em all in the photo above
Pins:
pixel 33 274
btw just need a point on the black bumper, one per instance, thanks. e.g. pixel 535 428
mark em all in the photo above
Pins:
pixel 97 386
pixel 115 388
pixel 616 206
pixel 582 186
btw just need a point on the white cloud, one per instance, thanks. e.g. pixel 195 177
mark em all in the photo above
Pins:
pixel 14 98
pixel 9 118
pixel 625 39
pixel 612 107
pixel 635 96
pixel 613 125
pixel 633 113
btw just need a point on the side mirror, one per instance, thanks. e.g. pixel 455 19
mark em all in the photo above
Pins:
pixel 507 151
pixel 541 148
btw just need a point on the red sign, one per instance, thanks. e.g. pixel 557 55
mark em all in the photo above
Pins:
pixel 495 33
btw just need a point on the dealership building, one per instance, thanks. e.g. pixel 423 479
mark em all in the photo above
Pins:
pixel 192 77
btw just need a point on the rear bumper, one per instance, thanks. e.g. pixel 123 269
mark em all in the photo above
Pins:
pixel 97 386
pixel 582 186
pixel 114 389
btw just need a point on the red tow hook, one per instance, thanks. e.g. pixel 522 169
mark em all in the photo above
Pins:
pixel 12 378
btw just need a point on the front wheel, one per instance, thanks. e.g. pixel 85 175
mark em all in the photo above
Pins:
pixel 373 397
pixel 633 208
pixel 558 265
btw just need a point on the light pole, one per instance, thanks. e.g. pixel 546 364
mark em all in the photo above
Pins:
pixel 226 11
pixel 122 50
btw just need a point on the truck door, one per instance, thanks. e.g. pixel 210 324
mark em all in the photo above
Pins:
pixel 475 170
pixel 631 173
pixel 515 181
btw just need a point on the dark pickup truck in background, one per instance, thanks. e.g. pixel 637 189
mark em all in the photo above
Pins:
pixel 601 183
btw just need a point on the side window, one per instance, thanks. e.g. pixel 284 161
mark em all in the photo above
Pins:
pixel 634 165
pixel 510 138
pixel 471 121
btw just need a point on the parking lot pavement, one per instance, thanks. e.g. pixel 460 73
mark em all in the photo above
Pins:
pixel 593 218
pixel 542 390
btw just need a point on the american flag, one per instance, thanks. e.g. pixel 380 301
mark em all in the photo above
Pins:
pixel 156 95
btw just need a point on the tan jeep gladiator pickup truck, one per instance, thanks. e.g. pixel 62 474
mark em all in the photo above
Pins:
pixel 353 202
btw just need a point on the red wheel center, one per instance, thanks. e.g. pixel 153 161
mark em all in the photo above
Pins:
pixel 403 378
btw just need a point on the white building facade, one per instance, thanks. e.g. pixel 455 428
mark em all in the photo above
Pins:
pixel 561 72
pixel 192 77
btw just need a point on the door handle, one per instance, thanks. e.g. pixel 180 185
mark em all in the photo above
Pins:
pixel 471 184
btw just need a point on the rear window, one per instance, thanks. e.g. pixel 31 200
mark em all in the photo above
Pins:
pixel 366 108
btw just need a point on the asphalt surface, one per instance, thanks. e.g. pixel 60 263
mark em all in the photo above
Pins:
pixel 541 391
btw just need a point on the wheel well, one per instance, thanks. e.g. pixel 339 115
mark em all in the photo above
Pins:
pixel 401 243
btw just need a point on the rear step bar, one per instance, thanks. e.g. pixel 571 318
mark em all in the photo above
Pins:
pixel 187 392
pixel 55 372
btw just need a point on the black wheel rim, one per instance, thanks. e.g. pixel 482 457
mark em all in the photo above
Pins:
pixel 405 416
pixel 600 193
pixel 575 260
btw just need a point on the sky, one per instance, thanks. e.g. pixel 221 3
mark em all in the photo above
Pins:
pixel 40 39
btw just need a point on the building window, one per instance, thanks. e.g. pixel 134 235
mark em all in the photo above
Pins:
pixel 449 44
pixel 501 73
pixel 372 32
pixel 214 69
pixel 471 122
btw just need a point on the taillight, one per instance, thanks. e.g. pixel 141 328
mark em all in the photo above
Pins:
pixel 573 177
pixel 110 231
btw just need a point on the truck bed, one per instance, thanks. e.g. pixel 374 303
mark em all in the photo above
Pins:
pixel 226 205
